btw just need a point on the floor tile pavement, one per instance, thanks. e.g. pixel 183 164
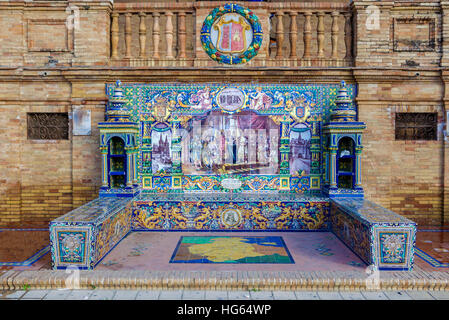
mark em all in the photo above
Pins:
pixel 421 295
pixel 397 295
pixel 306 295
pixel 440 295
pixel 57 294
pixel 171 295
pixel 239 295
pixel 193 295
pixel 261 295
pixel 126 295
pixel 329 295
pixel 216 295
pixel 102 295
pixel 148 295
pixel 35 294
pixel 374 295
pixel 355 295
pixel 284 295
pixel 14 295
pixel 79 295
pixel 178 295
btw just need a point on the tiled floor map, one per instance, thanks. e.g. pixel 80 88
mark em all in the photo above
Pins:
pixel 231 249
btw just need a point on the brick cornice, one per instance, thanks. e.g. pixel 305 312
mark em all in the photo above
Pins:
pixel 209 75
pixel 367 75
pixel 361 4
pixel 213 74
pixel 56 5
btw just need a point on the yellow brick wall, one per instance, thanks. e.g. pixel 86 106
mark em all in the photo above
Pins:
pixel 44 179
pixel 40 180
pixel 404 176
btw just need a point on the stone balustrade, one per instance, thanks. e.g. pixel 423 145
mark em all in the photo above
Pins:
pixel 302 34
pixel 151 34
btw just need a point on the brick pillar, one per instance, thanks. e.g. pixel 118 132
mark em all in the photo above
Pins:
pixel 372 45
pixel 445 219
pixel 92 33
pixel 445 33
pixel 445 63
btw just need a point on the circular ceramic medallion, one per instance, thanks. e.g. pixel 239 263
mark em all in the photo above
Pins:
pixel 231 217
pixel 231 34
pixel 231 100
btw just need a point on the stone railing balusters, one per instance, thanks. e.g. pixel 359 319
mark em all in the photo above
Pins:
pixel 320 34
pixel 293 34
pixel 334 33
pixel 156 34
pixel 114 35
pixel 169 34
pixel 142 35
pixel 279 34
pixel 128 35
pixel 307 34
pixel 182 35
pixel 171 47
pixel 348 35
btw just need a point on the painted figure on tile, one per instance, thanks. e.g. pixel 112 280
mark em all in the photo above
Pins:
pixel 231 135
pixel 263 151
pixel 259 100
pixel 300 155
pixel 241 149
pixel 195 152
pixel 201 100
pixel 211 151
pixel 273 144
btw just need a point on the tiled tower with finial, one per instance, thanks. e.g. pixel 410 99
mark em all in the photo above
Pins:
pixel 117 111
pixel 344 110
pixel 343 149
pixel 118 147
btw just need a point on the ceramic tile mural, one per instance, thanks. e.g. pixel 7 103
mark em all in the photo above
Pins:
pixel 204 131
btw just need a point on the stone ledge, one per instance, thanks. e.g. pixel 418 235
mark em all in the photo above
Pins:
pixel 185 280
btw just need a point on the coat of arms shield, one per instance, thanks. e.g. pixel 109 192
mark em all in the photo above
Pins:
pixel 232 34
pixel 161 109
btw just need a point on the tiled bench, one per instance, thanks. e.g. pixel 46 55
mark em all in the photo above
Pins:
pixel 85 235
pixel 378 236
pixel 240 211
pixel 82 237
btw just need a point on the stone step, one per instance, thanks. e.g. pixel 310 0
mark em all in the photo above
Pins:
pixel 225 281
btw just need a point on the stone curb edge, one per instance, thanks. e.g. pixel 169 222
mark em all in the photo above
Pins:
pixel 189 280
